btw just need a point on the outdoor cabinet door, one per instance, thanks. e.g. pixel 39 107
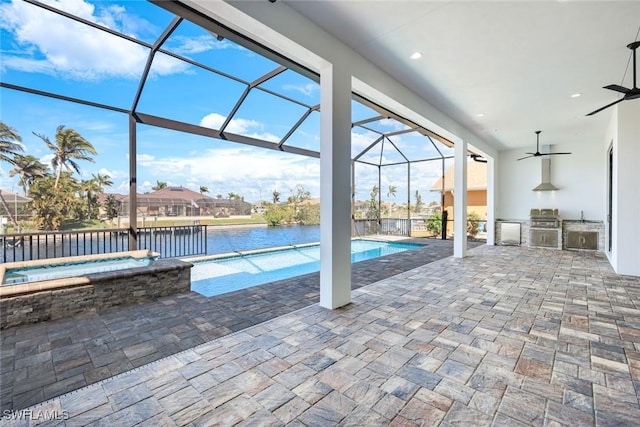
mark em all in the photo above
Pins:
pixel 589 240
pixel 573 239
pixel 544 238
pixel 582 240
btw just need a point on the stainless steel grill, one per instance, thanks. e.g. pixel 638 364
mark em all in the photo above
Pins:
pixel 544 218
pixel 545 228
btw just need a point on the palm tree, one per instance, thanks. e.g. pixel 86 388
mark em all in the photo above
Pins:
pixel 102 181
pixel 391 192
pixel 203 189
pixel 9 143
pixel 419 203
pixel 90 189
pixel 50 205
pixel 69 147
pixel 159 185
pixel 276 196
pixel 374 208
pixel 111 207
pixel 29 168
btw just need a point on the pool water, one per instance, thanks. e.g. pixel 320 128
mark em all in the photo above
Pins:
pixel 35 274
pixel 233 273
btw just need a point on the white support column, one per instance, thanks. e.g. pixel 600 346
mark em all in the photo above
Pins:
pixel 491 201
pixel 626 203
pixel 460 200
pixel 335 187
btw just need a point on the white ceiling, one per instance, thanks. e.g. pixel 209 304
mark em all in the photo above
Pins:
pixel 518 63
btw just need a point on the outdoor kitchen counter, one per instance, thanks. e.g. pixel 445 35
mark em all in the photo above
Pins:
pixel 566 225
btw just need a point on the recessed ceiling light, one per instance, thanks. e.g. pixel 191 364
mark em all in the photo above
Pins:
pixel 575 95
pixel 480 115
pixel 416 55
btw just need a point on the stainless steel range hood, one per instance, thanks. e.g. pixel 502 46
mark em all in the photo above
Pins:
pixel 546 184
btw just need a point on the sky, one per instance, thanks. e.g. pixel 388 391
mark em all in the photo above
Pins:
pixel 51 53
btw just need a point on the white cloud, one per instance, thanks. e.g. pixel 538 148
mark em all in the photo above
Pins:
pixel 58 46
pixel 307 89
pixel 144 158
pixel 192 45
pixel 238 126
pixel 46 160
pixel 250 172
pixel 254 173
pixel 114 174
pixel 361 140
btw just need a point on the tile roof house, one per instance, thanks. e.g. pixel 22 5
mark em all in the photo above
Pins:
pixel 181 201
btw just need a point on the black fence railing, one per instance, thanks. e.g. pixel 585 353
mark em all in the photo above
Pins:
pixel 174 241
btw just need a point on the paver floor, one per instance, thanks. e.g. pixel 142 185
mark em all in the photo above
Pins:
pixel 45 360
pixel 507 336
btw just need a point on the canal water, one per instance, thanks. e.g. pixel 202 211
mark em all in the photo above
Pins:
pixel 223 240
pixel 218 239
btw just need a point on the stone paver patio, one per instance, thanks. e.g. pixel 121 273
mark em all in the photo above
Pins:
pixel 507 336
pixel 44 360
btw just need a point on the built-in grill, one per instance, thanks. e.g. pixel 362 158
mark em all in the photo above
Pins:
pixel 544 229
pixel 544 218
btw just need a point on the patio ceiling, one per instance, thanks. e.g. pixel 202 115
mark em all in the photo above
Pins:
pixel 502 69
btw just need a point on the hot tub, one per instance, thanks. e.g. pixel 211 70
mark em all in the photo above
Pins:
pixel 33 291
pixel 47 269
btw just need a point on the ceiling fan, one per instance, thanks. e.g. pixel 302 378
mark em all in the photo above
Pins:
pixel 628 93
pixel 538 153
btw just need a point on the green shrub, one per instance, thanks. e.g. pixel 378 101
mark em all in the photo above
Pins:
pixel 434 223
pixel 473 223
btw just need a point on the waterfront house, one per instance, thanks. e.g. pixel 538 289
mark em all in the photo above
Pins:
pixel 179 201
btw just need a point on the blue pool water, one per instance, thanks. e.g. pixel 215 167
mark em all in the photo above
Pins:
pixel 233 273
pixel 35 274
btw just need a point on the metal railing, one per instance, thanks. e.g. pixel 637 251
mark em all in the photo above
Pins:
pixel 174 241
pixel 418 227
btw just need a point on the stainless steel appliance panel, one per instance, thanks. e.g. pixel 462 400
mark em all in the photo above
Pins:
pixel 582 240
pixel 510 233
pixel 547 238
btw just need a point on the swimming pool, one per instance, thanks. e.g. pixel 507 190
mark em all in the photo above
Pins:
pixel 232 273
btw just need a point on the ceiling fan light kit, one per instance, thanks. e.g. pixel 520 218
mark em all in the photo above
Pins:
pixel 628 93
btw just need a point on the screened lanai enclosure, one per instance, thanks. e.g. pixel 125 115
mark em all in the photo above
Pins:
pixel 165 93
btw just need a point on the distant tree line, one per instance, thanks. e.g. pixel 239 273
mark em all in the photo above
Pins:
pixel 296 210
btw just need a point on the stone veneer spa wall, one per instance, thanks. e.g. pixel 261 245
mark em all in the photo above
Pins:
pixel 59 298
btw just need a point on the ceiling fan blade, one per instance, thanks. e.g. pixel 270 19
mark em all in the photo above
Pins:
pixel 618 88
pixel 552 154
pixel 526 157
pixel 605 107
